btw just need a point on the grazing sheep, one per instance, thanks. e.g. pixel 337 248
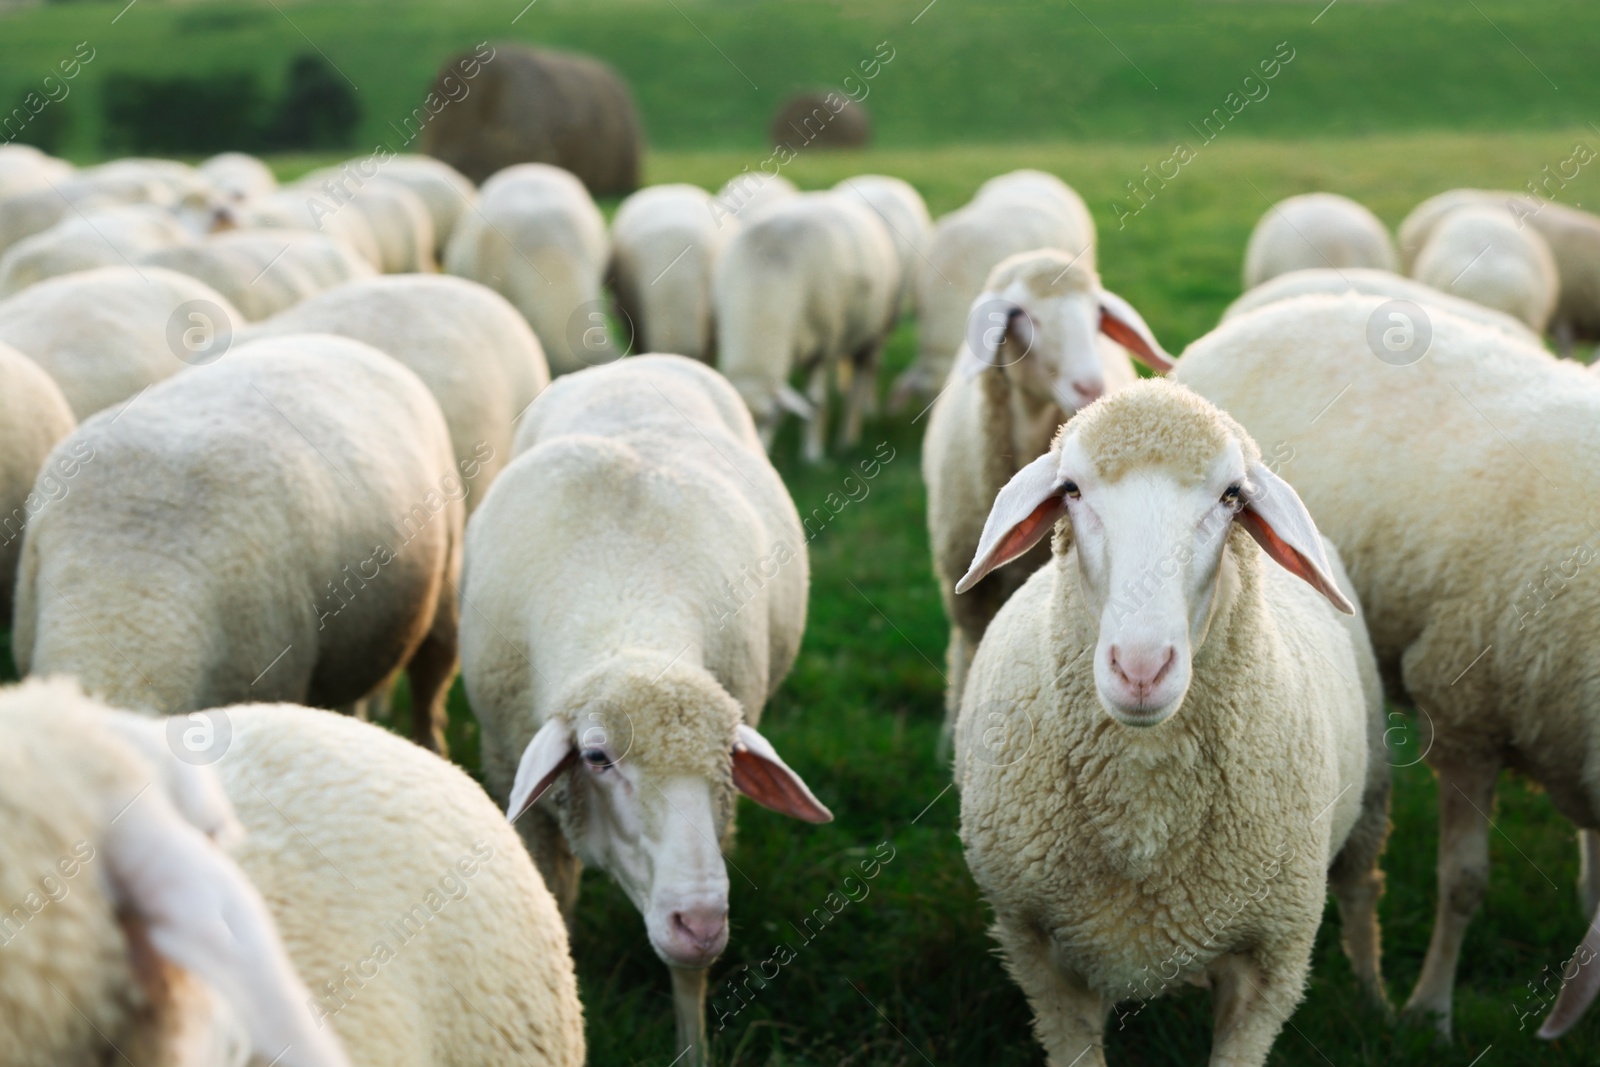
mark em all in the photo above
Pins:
pixel 635 590
pixel 1048 351
pixel 1316 230
pixel 263 272
pixel 665 243
pixel 105 335
pixel 1012 213
pixel 239 177
pixel 746 197
pixel 426 940
pixel 1175 806
pixel 284 524
pixel 23 168
pixel 810 286
pixel 398 218
pixel 54 196
pixel 1372 282
pixel 111 238
pixel 303 209
pixel 130 935
pixel 445 192
pixel 538 239
pixel 904 214
pixel 1469 564
pixel 468 345
pixel 33 417
pixel 1482 255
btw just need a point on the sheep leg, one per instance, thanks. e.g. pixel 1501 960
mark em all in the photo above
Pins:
pixel 1466 794
pixel 1069 1018
pixel 817 427
pixel 431 669
pixel 689 1009
pixel 958 660
pixel 863 395
pixel 1565 336
pixel 1357 883
pixel 1249 1006
pixel 1589 870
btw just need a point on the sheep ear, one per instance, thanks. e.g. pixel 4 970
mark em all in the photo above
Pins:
pixel 1577 989
pixel 1120 322
pixel 1025 511
pixel 792 401
pixel 547 755
pixel 195 910
pixel 760 774
pixel 1278 520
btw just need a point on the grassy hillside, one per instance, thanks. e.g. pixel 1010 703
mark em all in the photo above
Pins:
pixel 710 73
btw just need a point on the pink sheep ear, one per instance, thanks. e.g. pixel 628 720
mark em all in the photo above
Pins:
pixel 1120 322
pixel 547 755
pixel 760 774
pixel 190 907
pixel 1277 518
pixel 1025 511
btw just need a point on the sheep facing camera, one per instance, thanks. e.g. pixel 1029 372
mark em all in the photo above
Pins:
pixel 199 332
pixel 200 738
pixel 1399 333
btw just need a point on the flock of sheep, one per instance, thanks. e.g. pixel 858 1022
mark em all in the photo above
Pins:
pixel 256 452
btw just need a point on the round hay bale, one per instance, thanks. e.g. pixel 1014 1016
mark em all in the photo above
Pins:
pixel 528 105
pixel 826 119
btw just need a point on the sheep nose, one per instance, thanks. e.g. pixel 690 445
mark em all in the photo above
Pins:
pixel 703 931
pixel 1089 391
pixel 1142 669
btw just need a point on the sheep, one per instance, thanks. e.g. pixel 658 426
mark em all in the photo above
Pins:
pixel 902 210
pixel 33 417
pixel 446 192
pixel 1375 283
pixel 300 209
pixel 746 197
pixel 468 345
pixel 263 272
pixel 238 176
pixel 1473 607
pixel 1316 230
pixel 130 935
pixel 635 590
pixel 23 168
pixel 1016 212
pixel 538 239
pixel 1481 254
pixel 1177 806
pixel 808 285
pixel 285 524
pixel 1046 332
pixel 109 238
pixel 105 335
pixel 398 218
pixel 665 244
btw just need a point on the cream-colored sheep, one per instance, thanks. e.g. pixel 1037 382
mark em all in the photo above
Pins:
pixel 538 239
pixel 811 286
pixel 1012 213
pixel 104 335
pixel 664 247
pixel 446 192
pixel 745 197
pixel 284 524
pixel 23 168
pixel 1374 282
pixel 398 218
pixel 634 591
pixel 1170 744
pixel 1456 485
pixel 1316 230
pixel 1046 334
pixel 1482 255
pixel 905 215
pixel 466 342
pixel 33 417
pixel 128 934
pixel 175 187
pixel 114 237
pixel 263 272
pixel 238 176
pixel 306 209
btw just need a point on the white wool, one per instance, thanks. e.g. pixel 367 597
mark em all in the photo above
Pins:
pixel 263 272
pixel 902 210
pixel 665 244
pixel 1316 230
pixel 111 237
pixel 238 176
pixel 1483 255
pixel 33 417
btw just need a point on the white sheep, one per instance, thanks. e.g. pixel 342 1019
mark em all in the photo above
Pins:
pixel 905 215
pixel 1482 254
pixel 33 417
pixel 238 176
pixel 23 168
pixel 634 591
pixel 664 246
pixel 263 272
pixel 745 197
pixel 1044 326
pixel 105 335
pixel 446 192
pixel 400 221
pixel 284 524
pixel 130 935
pixel 303 209
pixel 538 239
pixel 113 237
pixel 1372 282
pixel 1012 213
pixel 1316 230
pixel 811 286
pixel 1455 481
pixel 466 342
pixel 1170 744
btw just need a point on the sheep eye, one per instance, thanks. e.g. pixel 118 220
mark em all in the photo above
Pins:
pixel 1070 490
pixel 596 758
pixel 1232 496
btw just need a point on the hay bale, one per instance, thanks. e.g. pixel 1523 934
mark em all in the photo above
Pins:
pixel 529 105
pixel 827 119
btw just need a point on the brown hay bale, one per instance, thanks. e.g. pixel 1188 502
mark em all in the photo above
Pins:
pixel 530 105
pixel 826 119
